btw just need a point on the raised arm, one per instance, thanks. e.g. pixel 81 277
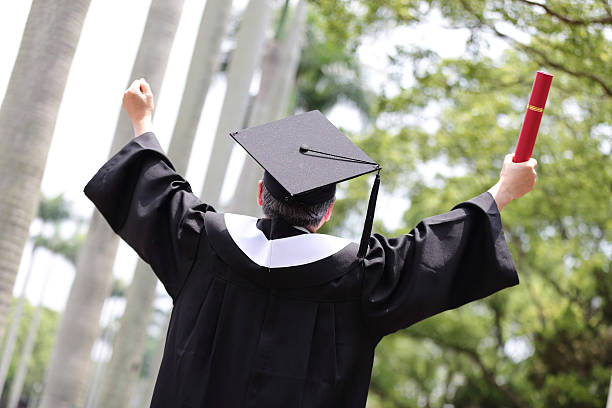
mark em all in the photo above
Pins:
pixel 146 202
pixel 446 261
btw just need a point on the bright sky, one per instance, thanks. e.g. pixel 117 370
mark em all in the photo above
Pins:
pixel 90 106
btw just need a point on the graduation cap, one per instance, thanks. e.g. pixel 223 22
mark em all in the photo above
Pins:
pixel 304 156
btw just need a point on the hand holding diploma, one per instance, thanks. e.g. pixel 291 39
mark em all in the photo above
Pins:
pixel 533 116
pixel 515 180
pixel 138 104
pixel 518 174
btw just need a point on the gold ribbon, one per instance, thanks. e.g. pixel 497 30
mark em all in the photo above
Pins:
pixel 535 108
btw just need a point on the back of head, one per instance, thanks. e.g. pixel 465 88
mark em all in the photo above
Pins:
pixel 295 214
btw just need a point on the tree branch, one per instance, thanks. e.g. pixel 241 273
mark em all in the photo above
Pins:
pixel 544 59
pixel 568 20
pixel 607 7
pixel 488 374
pixel 565 293
pixel 526 281
pixel 538 306
pixel 384 395
pixel 499 334
pixel 588 75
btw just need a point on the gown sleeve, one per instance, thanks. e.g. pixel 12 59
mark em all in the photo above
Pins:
pixel 151 207
pixel 446 261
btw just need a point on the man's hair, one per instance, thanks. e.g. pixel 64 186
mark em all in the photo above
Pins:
pixel 294 214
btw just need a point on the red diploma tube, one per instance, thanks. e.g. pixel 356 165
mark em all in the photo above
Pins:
pixel 533 116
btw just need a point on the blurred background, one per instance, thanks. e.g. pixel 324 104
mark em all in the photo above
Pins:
pixel 433 90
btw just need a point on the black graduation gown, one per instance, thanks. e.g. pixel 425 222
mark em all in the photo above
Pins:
pixel 267 315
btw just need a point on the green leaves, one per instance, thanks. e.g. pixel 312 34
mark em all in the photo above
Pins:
pixel 55 209
pixel 442 140
pixel 54 212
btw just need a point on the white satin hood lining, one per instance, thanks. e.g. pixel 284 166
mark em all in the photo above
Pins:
pixel 283 252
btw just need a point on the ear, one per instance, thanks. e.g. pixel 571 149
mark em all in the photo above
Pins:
pixel 259 193
pixel 329 212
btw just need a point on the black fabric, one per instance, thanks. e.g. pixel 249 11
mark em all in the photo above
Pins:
pixel 317 196
pixel 277 228
pixel 276 147
pixel 151 207
pixel 446 261
pixel 369 221
pixel 245 336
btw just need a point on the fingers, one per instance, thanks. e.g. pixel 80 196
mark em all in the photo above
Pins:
pixel 134 86
pixel 530 163
pixel 145 88
pixel 138 101
pixel 139 86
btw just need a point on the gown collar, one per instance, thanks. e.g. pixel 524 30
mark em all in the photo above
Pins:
pixel 275 228
pixel 297 260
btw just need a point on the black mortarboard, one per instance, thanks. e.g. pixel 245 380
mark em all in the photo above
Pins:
pixel 304 156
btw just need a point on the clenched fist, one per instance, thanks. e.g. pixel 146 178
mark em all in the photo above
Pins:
pixel 138 104
pixel 515 180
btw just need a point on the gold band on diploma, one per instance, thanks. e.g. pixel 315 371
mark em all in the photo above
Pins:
pixel 535 108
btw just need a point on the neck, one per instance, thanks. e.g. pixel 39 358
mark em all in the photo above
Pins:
pixel 310 229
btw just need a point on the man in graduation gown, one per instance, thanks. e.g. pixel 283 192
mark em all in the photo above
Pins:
pixel 267 313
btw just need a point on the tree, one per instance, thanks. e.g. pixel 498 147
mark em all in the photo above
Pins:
pixel 205 62
pixel 278 72
pixel 546 342
pixel 51 212
pixel 155 363
pixel 41 350
pixel 66 248
pixel 111 313
pixel 26 352
pixel 126 358
pixel 79 324
pixel 243 63
pixel 27 119
pixel 330 71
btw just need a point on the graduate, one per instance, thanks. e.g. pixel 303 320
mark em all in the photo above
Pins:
pixel 267 312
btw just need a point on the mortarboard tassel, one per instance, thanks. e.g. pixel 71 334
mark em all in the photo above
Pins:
pixel 367 228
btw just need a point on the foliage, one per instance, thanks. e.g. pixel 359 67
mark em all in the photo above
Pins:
pixel 42 347
pixel 547 342
pixel 65 247
pixel 329 71
pixel 119 288
pixel 53 209
pixel 53 212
